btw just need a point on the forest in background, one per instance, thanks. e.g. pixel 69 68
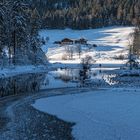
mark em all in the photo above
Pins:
pixel 82 14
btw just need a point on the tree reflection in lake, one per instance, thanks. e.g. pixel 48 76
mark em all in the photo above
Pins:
pixel 60 78
pixel 96 77
pixel 21 84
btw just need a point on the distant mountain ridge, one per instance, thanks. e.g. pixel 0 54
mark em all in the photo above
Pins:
pixel 87 13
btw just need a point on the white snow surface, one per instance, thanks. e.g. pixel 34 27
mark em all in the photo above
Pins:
pixel 108 114
pixel 111 42
pixel 17 70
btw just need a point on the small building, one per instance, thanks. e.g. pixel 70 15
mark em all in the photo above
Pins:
pixel 82 41
pixel 67 41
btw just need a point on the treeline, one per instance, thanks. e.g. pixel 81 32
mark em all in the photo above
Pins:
pixel 19 41
pixel 87 13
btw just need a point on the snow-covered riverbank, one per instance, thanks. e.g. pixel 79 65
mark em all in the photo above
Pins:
pixel 17 70
pixel 19 120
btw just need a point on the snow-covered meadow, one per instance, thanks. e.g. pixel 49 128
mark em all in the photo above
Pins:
pixel 17 70
pixel 110 55
pixel 111 43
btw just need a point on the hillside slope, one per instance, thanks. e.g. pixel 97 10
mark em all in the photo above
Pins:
pixel 112 43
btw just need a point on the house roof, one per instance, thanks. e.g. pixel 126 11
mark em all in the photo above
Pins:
pixel 81 40
pixel 67 40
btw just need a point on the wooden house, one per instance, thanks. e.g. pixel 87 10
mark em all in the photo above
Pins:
pixel 81 41
pixel 67 41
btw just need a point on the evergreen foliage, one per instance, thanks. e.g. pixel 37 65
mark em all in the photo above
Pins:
pixel 82 14
pixel 18 33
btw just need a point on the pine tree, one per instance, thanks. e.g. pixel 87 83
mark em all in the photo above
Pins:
pixel 19 32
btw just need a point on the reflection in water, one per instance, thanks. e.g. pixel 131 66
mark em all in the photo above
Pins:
pixel 61 78
pixel 67 75
pixel 20 84
pixel 97 77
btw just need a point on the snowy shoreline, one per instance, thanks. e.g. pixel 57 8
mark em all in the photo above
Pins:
pixel 19 108
pixel 17 70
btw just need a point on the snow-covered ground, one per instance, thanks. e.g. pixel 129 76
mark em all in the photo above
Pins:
pixel 111 52
pixel 111 43
pixel 108 114
pixel 17 70
pixel 100 114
